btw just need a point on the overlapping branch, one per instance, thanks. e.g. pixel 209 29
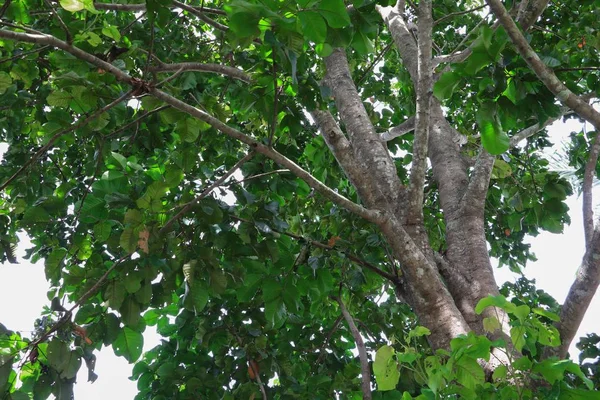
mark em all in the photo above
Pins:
pixel 422 120
pixel 365 369
pixel 202 67
pixel 327 192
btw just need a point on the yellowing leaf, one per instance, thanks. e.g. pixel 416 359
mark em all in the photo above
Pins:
pixel 386 369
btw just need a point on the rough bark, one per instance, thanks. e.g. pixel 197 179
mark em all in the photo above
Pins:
pixel 580 295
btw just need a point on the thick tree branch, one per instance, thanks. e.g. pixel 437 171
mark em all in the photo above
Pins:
pixel 545 74
pixel 196 66
pixel 530 12
pixel 55 42
pixel 580 295
pixel 399 130
pixel 142 7
pixel 365 369
pixel 369 215
pixel 57 135
pixel 326 191
pixel 345 154
pixel 205 192
pixel 477 189
pixel 588 180
pixel 368 148
pixel 422 121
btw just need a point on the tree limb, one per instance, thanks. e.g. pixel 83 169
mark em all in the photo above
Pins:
pixel 530 12
pixel 362 352
pixel 368 148
pixel 422 120
pixel 142 7
pixel 580 295
pixel 545 74
pixel 330 194
pixel 326 191
pixel 480 180
pixel 314 243
pixel 399 130
pixel 588 180
pixel 205 192
pixel 196 66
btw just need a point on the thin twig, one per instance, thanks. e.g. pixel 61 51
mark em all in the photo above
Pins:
pixel 23 54
pixel 458 13
pixel 67 317
pixel 275 101
pixel 60 133
pixel 324 246
pixel 362 351
pixel 334 328
pixel 135 121
pixel 5 6
pixel 277 171
pixel 373 63
pixel 69 37
pixel 206 192
pixel 24 28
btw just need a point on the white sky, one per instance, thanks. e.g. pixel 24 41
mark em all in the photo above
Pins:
pixel 24 284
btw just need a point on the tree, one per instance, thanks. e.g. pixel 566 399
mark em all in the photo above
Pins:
pixel 281 187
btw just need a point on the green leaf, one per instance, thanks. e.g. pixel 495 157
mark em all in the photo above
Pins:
pixel 59 99
pixel 275 313
pixel 334 11
pixel 244 24
pixel 35 215
pixel 102 230
pixel 112 32
pixel 129 344
pixel 386 369
pixel 196 296
pixel 445 86
pixel 313 26
pixel 469 373
pixel 521 312
pixel 115 294
pixel 189 129
pixel 129 240
pixel 517 336
pixel 5 82
pixel 493 138
pixel 362 44
pixel 545 313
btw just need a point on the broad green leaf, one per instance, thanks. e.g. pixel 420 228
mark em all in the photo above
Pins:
pixel 386 369
pixel 545 313
pixel 244 24
pixel 313 26
pixel 114 294
pixel 59 99
pixel 189 129
pixel 491 324
pixel 493 138
pixel 35 215
pixel 78 5
pixel 517 336
pixel 196 296
pixel 102 230
pixel 129 344
pixel 445 85
pixel 275 313
pixel 469 373
pixel 130 312
pixel 100 122
pixel 129 240
pixel 112 32
pixel 334 11
pixel 521 312
pixel 5 82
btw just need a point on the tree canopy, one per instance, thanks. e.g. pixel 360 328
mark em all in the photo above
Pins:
pixel 284 188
